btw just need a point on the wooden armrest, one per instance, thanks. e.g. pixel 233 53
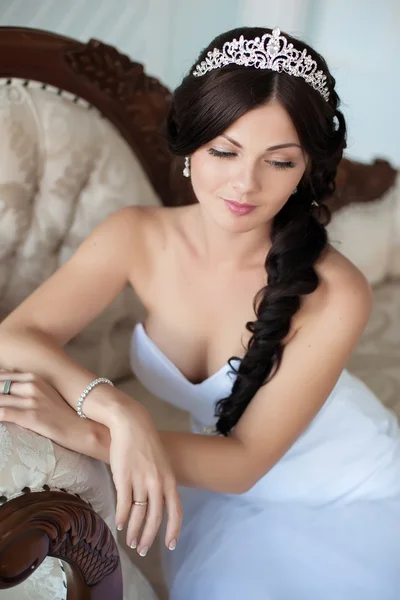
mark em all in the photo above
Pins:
pixel 61 525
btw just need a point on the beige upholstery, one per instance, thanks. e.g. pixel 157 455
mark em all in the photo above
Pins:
pixel 368 233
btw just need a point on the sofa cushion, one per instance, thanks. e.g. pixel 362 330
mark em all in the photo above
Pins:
pixel 368 234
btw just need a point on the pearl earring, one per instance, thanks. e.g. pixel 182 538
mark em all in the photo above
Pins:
pixel 186 170
pixel 294 191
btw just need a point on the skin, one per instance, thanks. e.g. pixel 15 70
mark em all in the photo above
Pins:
pixel 199 270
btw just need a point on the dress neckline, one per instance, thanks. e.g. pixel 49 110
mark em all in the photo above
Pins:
pixel 172 367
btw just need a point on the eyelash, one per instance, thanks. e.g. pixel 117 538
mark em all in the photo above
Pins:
pixel 279 165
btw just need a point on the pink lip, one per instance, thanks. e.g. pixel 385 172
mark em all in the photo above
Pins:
pixel 239 209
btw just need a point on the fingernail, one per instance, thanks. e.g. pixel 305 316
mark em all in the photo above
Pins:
pixel 172 545
pixel 133 544
pixel 120 527
pixel 143 551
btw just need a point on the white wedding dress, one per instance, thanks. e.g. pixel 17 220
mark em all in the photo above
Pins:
pixel 322 524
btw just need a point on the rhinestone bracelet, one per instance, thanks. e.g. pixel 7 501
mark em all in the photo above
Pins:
pixel 86 391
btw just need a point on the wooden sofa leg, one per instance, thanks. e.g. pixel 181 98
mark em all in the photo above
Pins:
pixel 61 525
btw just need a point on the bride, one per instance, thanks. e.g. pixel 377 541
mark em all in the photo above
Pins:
pixel 290 479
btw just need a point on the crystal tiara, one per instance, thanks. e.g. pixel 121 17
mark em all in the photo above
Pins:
pixel 272 52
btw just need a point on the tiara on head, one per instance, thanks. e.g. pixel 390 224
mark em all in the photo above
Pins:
pixel 272 52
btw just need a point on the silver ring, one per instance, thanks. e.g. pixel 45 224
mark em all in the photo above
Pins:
pixel 140 503
pixel 7 386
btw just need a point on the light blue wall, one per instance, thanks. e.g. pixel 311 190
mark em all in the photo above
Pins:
pixel 195 24
pixel 361 43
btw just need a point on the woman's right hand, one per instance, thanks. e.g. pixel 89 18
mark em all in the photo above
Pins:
pixel 142 472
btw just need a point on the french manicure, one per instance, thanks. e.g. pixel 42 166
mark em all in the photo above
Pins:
pixel 120 527
pixel 133 544
pixel 143 551
pixel 172 545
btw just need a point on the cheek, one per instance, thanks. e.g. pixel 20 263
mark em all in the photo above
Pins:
pixel 208 174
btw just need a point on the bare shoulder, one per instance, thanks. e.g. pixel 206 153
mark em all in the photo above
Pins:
pixel 341 278
pixel 154 226
pixel 154 221
pixel 343 287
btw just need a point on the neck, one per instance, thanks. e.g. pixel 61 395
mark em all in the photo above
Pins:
pixel 221 248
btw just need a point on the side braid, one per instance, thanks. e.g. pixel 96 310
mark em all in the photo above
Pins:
pixel 297 242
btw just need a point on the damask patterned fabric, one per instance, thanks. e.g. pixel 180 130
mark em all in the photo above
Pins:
pixel 63 170
pixel 376 359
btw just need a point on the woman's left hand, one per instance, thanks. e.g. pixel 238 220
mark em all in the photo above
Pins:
pixel 34 404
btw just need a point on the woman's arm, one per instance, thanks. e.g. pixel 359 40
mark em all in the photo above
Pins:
pixel 197 460
pixel 32 336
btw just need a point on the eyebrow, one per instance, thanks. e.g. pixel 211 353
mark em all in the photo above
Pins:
pixel 277 147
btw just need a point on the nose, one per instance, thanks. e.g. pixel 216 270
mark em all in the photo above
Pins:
pixel 245 179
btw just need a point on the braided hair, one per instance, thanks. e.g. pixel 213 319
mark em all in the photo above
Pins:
pixel 202 109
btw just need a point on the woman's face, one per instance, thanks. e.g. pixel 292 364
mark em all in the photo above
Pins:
pixel 257 161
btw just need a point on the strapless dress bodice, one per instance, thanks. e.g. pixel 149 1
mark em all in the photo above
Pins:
pixel 163 379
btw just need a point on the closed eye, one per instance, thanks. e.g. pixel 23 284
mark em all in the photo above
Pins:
pixel 282 165
pixel 220 154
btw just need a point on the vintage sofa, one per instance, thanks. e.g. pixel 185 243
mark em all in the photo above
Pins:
pixel 80 137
